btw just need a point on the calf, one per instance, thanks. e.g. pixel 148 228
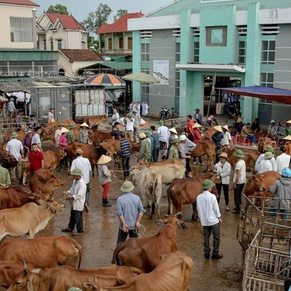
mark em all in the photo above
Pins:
pixel 185 191
pixel 171 274
pixel 64 277
pixel 151 188
pixel 45 183
pixel 9 270
pixel 15 196
pixel 146 253
pixel 43 252
pixel 27 219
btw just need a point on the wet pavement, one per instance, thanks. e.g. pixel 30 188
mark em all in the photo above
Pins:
pixel 101 227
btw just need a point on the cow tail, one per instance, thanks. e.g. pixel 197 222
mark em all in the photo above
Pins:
pixel 170 201
pixel 115 258
pixel 78 247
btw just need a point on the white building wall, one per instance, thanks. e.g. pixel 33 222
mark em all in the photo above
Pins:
pixel 15 11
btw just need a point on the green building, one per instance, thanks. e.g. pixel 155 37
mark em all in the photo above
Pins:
pixel 191 45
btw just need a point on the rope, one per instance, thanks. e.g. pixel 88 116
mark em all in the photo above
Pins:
pixel 144 233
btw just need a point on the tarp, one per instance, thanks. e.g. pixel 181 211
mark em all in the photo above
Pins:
pixel 274 94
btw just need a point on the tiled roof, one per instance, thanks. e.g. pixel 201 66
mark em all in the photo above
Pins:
pixel 67 21
pixel 81 55
pixel 120 25
pixel 19 2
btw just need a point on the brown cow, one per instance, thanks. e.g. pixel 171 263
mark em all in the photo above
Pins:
pixel 257 184
pixel 27 219
pixel 43 252
pixel 146 253
pixel 93 122
pixel 171 274
pixel 205 147
pixel 15 196
pixel 186 190
pixel 98 136
pixel 45 183
pixel 263 142
pixel 63 277
pixel 51 160
pixel 9 270
pixel 89 151
pixel 9 161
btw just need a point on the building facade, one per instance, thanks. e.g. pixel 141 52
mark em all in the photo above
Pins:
pixel 189 42
pixel 57 31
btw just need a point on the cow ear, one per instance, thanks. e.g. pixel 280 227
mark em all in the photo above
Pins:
pixel 35 271
pixel 30 284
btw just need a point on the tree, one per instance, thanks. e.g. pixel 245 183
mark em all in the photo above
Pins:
pixel 58 9
pixel 120 13
pixel 97 18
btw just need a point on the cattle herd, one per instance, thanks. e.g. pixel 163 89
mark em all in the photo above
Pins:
pixel 53 263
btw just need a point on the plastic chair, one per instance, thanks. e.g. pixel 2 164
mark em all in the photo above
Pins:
pixel 233 140
pixel 237 138
pixel 245 141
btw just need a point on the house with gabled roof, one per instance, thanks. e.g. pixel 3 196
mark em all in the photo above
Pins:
pixel 59 31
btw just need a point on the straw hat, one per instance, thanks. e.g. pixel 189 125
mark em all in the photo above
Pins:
pixel 207 184
pixel 72 125
pixel 218 128
pixel 240 119
pixel 134 110
pixel 223 155
pixel 127 186
pixel 225 127
pixel 14 134
pixel 173 130
pixel 76 172
pixel 142 135
pixel 196 125
pixel 84 124
pixel 79 151
pixel 268 156
pixel 28 131
pixel 63 130
pixel 288 137
pixel 104 160
pixel 183 137
pixel 289 121
pixel 74 289
pixel 239 154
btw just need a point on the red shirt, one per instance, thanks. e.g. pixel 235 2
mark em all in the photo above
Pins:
pixel 35 159
pixel 190 127
pixel 197 135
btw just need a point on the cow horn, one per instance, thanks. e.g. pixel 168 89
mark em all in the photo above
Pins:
pixel 24 266
pixel 178 213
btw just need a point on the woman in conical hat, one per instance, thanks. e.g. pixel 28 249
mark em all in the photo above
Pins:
pixel 84 134
pixel 104 178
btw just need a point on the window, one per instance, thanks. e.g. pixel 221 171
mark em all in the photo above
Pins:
pixel 61 72
pixel 242 52
pixel 145 52
pixel 216 36
pixel 44 44
pixel 145 88
pixel 59 44
pixel 21 29
pixel 121 43
pixel 178 53
pixel 177 83
pixel 129 43
pixel 196 50
pixel 268 51
pixel 110 43
pixel 267 79
pixel 52 44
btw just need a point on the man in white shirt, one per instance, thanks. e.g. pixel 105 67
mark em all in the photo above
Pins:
pixel 76 195
pixel 58 134
pixel 15 148
pixel 223 169
pixel 36 137
pixel 164 135
pixel 10 106
pixel 115 116
pixel 268 148
pixel 129 121
pixel 239 179
pixel 226 140
pixel 51 116
pixel 85 166
pixel 210 217
pixel 265 165
pixel 283 160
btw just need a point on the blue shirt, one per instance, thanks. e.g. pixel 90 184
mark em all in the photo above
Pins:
pixel 129 206
pixel 125 148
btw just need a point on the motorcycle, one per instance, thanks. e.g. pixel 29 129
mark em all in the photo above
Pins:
pixel 164 113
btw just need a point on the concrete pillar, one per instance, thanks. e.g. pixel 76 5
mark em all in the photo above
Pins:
pixel 136 65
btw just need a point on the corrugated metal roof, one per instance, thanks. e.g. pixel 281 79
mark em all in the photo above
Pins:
pixel 80 55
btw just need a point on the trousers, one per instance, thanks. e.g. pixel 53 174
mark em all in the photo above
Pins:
pixel 105 190
pixel 237 196
pixel 76 219
pixel 125 166
pixel 216 238
pixel 225 192
pixel 133 233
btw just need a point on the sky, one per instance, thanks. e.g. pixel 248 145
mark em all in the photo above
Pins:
pixel 81 8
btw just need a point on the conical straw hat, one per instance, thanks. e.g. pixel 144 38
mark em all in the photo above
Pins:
pixel 104 160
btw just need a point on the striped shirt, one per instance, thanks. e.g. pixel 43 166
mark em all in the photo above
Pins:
pixel 125 148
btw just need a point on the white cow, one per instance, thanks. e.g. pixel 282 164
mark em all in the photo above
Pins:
pixel 27 219
pixel 151 187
